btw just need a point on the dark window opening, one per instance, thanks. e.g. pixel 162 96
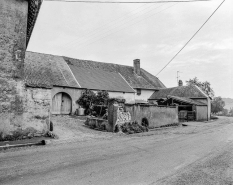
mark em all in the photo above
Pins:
pixel 139 91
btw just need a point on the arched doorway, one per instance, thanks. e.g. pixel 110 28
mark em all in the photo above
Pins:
pixel 61 103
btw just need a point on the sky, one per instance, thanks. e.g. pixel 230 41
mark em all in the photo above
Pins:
pixel 153 33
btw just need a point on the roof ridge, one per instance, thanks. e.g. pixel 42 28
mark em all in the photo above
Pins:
pixel 97 61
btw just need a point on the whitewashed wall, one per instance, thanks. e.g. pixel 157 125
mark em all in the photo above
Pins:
pixel 145 94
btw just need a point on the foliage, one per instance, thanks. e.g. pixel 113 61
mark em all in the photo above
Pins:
pixel 133 127
pixel 87 98
pixel 90 100
pixel 102 98
pixel 205 86
pixel 217 105
pixel 99 110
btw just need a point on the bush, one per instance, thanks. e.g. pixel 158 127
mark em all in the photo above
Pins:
pixel 133 127
pixel 94 104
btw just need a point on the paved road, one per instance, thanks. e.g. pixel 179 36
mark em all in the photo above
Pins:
pixel 200 153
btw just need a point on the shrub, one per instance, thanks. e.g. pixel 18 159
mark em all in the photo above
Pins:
pixel 133 127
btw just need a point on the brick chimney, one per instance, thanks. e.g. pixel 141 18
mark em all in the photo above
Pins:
pixel 180 83
pixel 136 65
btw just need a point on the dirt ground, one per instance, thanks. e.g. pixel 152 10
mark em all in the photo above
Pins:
pixel 72 128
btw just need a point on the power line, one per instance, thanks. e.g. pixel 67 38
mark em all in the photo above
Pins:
pixel 127 2
pixel 107 32
pixel 127 26
pixel 112 24
pixel 190 39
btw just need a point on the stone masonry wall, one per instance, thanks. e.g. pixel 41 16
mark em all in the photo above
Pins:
pixel 35 116
pixel 156 116
pixel 15 116
pixel 13 25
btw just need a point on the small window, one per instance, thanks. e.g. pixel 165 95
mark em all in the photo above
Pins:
pixel 139 92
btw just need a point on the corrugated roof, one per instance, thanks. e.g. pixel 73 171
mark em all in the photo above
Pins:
pixel 180 91
pixel 100 80
pixel 43 70
pixel 144 81
pixel 186 100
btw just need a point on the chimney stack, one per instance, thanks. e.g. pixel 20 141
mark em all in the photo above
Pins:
pixel 136 65
pixel 180 83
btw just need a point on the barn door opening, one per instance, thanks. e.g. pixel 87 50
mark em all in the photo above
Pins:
pixel 61 104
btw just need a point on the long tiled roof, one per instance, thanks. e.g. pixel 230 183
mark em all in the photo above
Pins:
pixel 42 70
pixel 186 100
pixel 180 91
pixel 100 80
pixel 33 11
pixel 144 81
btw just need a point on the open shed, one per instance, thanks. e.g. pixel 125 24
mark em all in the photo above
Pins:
pixel 188 109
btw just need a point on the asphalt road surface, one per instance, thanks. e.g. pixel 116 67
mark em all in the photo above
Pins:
pixel 196 154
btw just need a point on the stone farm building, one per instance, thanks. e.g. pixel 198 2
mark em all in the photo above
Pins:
pixel 64 79
pixel 17 20
pixel 187 98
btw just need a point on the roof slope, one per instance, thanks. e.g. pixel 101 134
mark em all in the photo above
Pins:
pixel 186 100
pixel 43 70
pixel 145 81
pixel 100 80
pixel 191 91
pixel 33 11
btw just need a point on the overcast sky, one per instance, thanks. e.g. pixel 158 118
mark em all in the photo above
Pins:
pixel 154 33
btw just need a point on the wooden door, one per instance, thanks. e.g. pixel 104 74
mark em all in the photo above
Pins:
pixel 56 103
pixel 66 104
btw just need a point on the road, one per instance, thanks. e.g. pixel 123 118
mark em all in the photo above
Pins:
pixel 201 153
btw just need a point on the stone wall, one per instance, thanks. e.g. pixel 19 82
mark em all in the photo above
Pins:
pixel 23 111
pixel 13 25
pixel 156 116
pixel 35 117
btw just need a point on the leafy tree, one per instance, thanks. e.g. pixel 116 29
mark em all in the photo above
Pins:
pixel 87 98
pixel 204 86
pixel 102 98
pixel 217 104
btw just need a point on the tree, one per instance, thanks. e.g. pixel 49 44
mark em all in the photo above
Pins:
pixel 204 86
pixel 87 98
pixel 217 105
pixel 102 98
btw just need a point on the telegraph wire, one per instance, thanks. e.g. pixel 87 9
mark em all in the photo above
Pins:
pixel 100 35
pixel 190 39
pixel 127 26
pixel 126 2
pixel 114 23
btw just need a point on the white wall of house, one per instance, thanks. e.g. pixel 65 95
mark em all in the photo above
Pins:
pixel 129 97
pixel 145 94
